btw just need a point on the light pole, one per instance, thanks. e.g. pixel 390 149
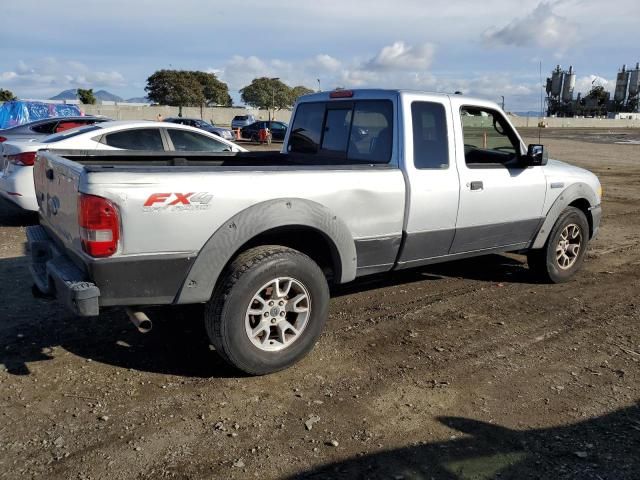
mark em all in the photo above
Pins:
pixel 319 87
pixel 502 96
pixel 273 99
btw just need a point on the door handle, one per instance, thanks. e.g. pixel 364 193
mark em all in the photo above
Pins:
pixel 477 185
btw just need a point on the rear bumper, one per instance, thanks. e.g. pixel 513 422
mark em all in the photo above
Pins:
pixel 17 187
pixel 105 282
pixel 55 275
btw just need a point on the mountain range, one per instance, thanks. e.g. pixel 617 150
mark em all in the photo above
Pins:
pixel 100 95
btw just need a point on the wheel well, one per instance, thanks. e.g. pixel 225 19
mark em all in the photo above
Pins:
pixel 307 240
pixel 583 205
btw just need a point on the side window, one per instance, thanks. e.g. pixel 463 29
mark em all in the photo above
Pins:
pixel 186 141
pixel 137 139
pixel 307 128
pixel 430 144
pixel 488 138
pixel 45 128
pixel 371 138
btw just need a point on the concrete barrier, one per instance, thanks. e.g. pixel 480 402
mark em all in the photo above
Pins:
pixel 217 115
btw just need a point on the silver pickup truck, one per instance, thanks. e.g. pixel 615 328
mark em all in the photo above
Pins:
pixel 368 181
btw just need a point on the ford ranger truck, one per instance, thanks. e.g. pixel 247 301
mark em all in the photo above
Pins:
pixel 367 182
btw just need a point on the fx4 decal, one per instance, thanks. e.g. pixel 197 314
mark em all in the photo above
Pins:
pixel 177 201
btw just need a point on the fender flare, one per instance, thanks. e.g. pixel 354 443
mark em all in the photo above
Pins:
pixel 576 191
pixel 224 244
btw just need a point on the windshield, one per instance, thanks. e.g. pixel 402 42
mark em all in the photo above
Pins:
pixel 70 133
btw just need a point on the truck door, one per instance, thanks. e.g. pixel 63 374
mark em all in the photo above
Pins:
pixel 500 200
pixel 432 179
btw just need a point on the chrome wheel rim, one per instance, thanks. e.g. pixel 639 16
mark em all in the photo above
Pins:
pixel 569 245
pixel 278 314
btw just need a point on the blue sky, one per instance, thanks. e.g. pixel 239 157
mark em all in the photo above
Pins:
pixel 485 48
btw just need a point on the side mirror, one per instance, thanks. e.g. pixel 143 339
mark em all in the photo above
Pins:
pixel 536 155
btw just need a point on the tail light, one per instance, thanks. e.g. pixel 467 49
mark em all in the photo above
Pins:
pixel 26 159
pixel 3 139
pixel 341 94
pixel 99 225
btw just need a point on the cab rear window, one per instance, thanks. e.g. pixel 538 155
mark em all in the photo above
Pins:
pixel 344 132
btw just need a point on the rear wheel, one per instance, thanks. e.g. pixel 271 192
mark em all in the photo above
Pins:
pixel 564 251
pixel 268 310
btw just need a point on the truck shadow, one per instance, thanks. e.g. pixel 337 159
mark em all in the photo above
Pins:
pixel 32 329
pixel 489 268
pixel 12 216
pixel 604 447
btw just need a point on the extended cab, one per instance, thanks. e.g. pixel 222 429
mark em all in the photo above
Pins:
pixel 368 181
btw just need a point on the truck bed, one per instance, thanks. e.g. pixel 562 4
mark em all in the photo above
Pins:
pixel 100 160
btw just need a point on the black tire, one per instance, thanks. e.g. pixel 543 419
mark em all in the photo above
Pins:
pixel 226 312
pixel 254 138
pixel 543 262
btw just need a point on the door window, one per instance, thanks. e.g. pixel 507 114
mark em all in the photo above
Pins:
pixel 136 139
pixel 430 142
pixel 186 141
pixel 488 138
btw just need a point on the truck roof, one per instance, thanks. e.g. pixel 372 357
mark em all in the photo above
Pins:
pixel 379 93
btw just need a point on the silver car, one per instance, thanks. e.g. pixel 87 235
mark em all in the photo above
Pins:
pixel 240 121
pixel 47 126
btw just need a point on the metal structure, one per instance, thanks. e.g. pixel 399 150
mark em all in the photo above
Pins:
pixel 559 89
pixel 597 102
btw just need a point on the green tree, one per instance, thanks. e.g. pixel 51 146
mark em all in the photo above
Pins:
pixel 215 92
pixel 86 96
pixel 186 88
pixel 298 92
pixel 266 93
pixel 6 95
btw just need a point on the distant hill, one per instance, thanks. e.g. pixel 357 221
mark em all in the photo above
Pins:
pixel 104 95
pixel 66 95
pixel 138 100
pixel 71 94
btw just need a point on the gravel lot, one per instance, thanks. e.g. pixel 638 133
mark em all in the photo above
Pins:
pixel 467 370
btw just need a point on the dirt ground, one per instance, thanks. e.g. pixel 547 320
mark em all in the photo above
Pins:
pixel 469 370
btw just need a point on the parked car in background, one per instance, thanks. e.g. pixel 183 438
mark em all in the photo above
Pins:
pixel 47 126
pixel 202 125
pixel 278 130
pixel 240 121
pixel 17 158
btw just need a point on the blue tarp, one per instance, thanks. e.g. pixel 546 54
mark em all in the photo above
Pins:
pixel 19 112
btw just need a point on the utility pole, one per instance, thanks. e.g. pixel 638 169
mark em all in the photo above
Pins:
pixel 273 99
pixel 319 87
pixel 502 102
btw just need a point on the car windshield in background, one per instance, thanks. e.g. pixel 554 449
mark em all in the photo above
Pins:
pixel 354 132
pixel 70 133
pixel 241 117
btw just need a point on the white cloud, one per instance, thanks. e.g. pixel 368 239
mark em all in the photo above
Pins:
pixel 48 76
pixel 325 62
pixel 401 56
pixel 586 83
pixel 542 27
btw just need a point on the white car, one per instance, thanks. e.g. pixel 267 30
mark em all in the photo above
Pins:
pixel 17 158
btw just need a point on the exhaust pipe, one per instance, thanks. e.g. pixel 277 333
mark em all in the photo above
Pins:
pixel 140 320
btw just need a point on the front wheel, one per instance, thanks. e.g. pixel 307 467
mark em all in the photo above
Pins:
pixel 563 253
pixel 268 310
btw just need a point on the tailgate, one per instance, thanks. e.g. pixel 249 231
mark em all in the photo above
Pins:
pixel 56 182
